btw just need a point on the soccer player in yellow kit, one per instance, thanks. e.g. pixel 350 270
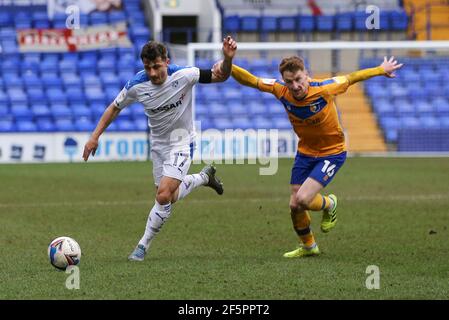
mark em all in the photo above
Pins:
pixel 321 149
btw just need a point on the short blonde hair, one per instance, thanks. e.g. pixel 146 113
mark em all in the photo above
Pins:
pixel 291 64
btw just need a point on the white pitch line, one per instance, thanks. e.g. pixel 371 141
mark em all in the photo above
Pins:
pixel 409 197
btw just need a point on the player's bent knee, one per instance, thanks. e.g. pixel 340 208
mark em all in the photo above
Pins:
pixel 163 196
pixel 303 201
pixel 294 208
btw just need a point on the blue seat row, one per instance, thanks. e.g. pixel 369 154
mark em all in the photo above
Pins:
pixel 346 21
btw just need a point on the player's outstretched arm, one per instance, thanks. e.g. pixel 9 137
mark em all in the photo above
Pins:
pixel 244 77
pixel 108 116
pixel 222 69
pixel 387 68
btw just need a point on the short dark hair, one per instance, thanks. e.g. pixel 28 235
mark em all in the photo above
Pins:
pixel 153 49
pixel 291 64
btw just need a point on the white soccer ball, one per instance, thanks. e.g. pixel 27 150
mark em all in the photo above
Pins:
pixel 64 252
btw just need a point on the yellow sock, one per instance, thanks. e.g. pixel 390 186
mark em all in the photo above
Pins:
pixel 320 202
pixel 301 224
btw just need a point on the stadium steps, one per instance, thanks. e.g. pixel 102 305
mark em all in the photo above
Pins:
pixel 358 121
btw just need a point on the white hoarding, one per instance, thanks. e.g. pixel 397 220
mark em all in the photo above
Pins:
pixel 228 146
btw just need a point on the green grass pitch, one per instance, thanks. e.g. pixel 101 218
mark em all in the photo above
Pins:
pixel 393 213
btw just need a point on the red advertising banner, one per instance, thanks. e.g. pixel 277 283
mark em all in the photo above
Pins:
pixel 64 40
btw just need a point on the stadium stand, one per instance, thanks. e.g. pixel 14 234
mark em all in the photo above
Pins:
pixel 418 99
pixel 50 92
pixel 65 91
pixel 302 16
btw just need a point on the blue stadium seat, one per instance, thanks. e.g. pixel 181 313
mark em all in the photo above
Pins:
pixel 125 125
pixel 4 110
pixel 14 83
pixel 405 108
pixel 40 110
pixel 423 107
pixel 275 108
pixel 383 107
pixel 236 109
pixel 98 17
pixel 391 135
pixel 137 111
pixel 112 92
pixel 26 126
pixel 60 110
pixel 9 66
pixel 281 123
pixel 68 66
pixel 389 123
pixel 45 125
pixel 287 23
pixel 75 92
pixel 17 97
pixel 344 21
pixel 222 123
pixel 140 33
pixel 81 111
pixel 9 47
pixel 71 80
pixel 91 81
pixel 117 16
pixel 6 20
pixel 41 24
pixel 29 66
pixel 409 122
pixel 262 123
pixel 360 18
pixel 385 23
pixel 441 106
pixel 6 124
pixel 325 23
pixel 31 57
pixel 242 123
pixel 141 124
pixel 398 20
pixel 305 23
pixel 444 122
pixel 218 109
pixel 126 114
pixel 84 124
pixel 268 24
pixel 87 64
pixel 231 24
pixel 95 96
pixel 429 122
pixel 97 110
pixel 51 81
pixel 4 99
pixel 256 109
pixel 48 64
pixel 8 33
pixel 64 124
pixel 249 24
pixel 108 53
pixel 231 93
pixel 201 109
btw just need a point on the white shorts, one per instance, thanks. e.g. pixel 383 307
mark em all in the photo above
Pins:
pixel 171 161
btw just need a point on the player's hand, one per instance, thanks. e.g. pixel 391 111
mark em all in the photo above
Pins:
pixel 229 47
pixel 90 148
pixel 390 66
pixel 217 70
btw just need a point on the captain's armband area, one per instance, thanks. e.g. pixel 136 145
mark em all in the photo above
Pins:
pixel 205 76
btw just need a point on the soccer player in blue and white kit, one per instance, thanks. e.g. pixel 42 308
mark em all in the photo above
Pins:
pixel 165 90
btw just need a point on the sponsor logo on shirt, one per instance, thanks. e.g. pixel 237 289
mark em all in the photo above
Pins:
pixel 169 106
